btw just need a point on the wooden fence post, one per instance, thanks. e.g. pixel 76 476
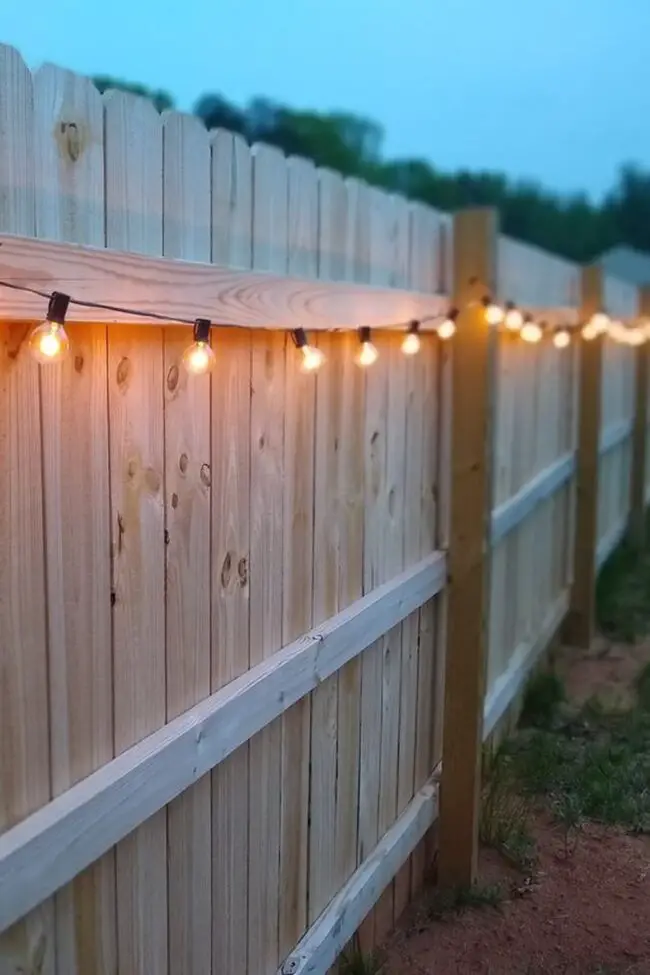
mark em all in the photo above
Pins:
pixel 580 623
pixel 475 245
pixel 637 529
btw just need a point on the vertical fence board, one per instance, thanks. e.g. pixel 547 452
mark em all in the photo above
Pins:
pixel 24 738
pixel 231 401
pixel 186 225
pixel 134 193
pixel 69 154
pixel 297 564
pixel 267 473
pixel 425 264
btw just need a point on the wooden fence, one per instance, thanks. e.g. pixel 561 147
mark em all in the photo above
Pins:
pixel 228 645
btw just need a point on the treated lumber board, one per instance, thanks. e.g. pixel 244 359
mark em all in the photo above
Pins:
pixel 51 846
pixel 186 290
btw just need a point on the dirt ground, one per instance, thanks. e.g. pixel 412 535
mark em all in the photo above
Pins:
pixel 581 914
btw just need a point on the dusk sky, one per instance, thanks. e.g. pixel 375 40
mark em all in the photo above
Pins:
pixel 557 91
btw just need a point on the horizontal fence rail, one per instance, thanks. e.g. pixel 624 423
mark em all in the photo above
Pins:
pixel 186 290
pixel 49 848
pixel 512 512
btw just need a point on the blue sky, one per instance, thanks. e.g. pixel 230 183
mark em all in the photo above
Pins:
pixel 555 90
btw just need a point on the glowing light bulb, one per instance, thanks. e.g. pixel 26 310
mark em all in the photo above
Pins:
pixel 636 336
pixel 198 357
pixel 589 332
pixel 48 342
pixel 617 331
pixel 531 332
pixel 514 319
pixel 312 358
pixel 599 322
pixel 493 312
pixel 447 329
pixel 411 344
pixel 562 338
pixel 367 355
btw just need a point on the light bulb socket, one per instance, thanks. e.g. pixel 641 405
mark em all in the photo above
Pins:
pixel 510 306
pixel 57 308
pixel 364 334
pixel 453 314
pixel 202 330
pixel 413 328
pixel 299 337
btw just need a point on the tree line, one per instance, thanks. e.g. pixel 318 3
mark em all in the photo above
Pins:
pixel 569 225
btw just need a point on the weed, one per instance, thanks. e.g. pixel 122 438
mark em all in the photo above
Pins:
pixel 355 962
pixel 443 902
pixel 642 685
pixel 622 606
pixel 503 821
pixel 542 697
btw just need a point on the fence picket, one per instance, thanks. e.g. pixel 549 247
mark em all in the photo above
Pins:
pixel 186 227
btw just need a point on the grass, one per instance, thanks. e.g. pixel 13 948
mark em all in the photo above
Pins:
pixel 355 962
pixel 445 902
pixel 542 697
pixel 623 595
pixel 595 765
pixel 504 814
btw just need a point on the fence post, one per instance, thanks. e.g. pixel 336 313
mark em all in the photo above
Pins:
pixel 637 529
pixel 474 269
pixel 580 623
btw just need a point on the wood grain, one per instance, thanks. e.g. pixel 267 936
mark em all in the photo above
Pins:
pixel 134 206
pixel 24 734
pixel 185 290
pixel 186 234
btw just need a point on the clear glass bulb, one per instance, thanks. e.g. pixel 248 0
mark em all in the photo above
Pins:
pixel 636 336
pixel 589 332
pixel 531 332
pixel 617 331
pixel 561 339
pixel 411 344
pixel 367 354
pixel 447 328
pixel 312 358
pixel 600 322
pixel 199 358
pixel 493 314
pixel 514 319
pixel 49 342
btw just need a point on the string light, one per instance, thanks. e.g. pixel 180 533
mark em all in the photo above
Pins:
pixel 48 342
pixel 531 332
pixel 312 357
pixel 589 332
pixel 368 353
pixel 198 357
pixel 514 319
pixel 562 338
pixel 447 329
pixel 599 322
pixel 493 312
pixel 411 343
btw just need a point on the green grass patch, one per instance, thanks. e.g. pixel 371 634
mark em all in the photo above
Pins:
pixel 623 595
pixel 504 814
pixel 543 696
pixel 595 766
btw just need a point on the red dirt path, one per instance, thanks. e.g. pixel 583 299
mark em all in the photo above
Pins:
pixel 590 910
pixel 585 915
